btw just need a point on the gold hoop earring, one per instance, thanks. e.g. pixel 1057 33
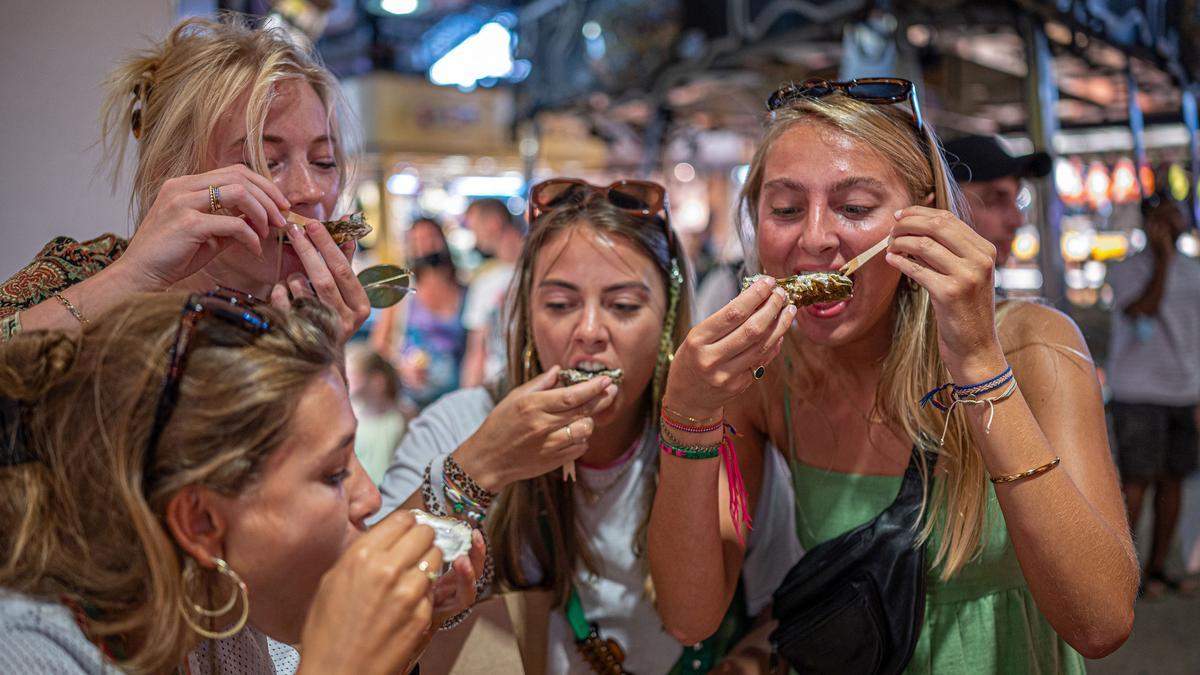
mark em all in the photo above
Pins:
pixel 187 606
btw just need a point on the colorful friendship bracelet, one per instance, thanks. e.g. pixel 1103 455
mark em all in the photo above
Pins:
pixel 965 393
pixel 689 451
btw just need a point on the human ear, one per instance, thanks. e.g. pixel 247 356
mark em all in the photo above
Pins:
pixel 197 524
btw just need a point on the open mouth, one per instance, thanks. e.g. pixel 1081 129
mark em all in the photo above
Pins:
pixel 587 370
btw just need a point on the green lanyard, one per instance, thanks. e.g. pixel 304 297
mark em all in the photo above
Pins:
pixel 699 658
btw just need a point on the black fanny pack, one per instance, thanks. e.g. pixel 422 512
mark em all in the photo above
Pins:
pixel 855 603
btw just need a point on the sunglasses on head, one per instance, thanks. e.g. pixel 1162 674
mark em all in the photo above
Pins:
pixel 639 197
pixel 874 90
pixel 233 309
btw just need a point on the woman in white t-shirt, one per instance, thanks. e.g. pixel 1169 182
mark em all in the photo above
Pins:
pixel 600 286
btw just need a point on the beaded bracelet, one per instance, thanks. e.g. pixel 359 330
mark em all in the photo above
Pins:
pixel 739 504
pixel 689 451
pixel 484 581
pixel 461 504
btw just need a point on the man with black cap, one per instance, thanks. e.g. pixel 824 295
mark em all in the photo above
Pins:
pixel 990 179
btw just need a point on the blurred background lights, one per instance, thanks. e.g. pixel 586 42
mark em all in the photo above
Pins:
pixel 1177 182
pixel 398 7
pixel 1069 181
pixel 684 172
pixel 1076 246
pixel 486 54
pixel 405 183
pixel 1026 244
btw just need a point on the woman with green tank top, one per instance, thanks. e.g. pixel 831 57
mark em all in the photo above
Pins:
pixel 1029 562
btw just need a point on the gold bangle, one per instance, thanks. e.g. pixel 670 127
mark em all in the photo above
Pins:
pixel 1035 471
pixel 71 308
pixel 680 417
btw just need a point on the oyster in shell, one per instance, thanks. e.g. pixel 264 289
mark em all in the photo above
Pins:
pixel 569 376
pixel 452 537
pixel 342 231
pixel 812 287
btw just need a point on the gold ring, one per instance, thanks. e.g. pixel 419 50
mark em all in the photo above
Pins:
pixel 214 199
pixel 570 437
pixel 424 567
pixel 759 372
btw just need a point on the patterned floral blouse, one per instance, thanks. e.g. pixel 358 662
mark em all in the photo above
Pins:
pixel 61 264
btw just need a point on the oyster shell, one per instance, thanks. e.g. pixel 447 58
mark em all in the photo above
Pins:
pixel 452 537
pixel 569 376
pixel 812 287
pixel 342 231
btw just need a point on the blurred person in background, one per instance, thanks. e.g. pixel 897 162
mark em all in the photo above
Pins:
pixel 990 180
pixel 434 340
pixel 374 388
pixel 232 126
pixel 165 509
pixel 498 238
pixel 1154 373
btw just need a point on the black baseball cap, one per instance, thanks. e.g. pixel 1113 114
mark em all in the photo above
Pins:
pixel 978 159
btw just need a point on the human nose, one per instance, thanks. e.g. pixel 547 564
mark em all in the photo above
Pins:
pixel 591 329
pixel 1013 217
pixel 299 185
pixel 817 236
pixel 364 495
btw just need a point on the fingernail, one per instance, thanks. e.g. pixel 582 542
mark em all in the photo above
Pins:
pixel 611 390
pixel 781 293
pixel 606 380
pixel 791 309
pixel 897 214
pixel 294 231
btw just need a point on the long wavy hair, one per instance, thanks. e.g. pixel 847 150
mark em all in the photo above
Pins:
pixel 958 503
pixel 170 97
pixel 76 521
pixel 538 515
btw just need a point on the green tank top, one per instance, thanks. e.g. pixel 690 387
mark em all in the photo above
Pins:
pixel 983 620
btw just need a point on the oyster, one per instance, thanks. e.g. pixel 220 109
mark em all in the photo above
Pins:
pixel 452 537
pixel 342 231
pixel 569 376
pixel 812 287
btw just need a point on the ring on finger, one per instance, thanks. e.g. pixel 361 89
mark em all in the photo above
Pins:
pixel 427 570
pixel 570 437
pixel 759 372
pixel 214 199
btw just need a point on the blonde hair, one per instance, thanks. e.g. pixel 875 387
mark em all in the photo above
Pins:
pixel 76 522
pixel 538 515
pixel 171 97
pixel 958 503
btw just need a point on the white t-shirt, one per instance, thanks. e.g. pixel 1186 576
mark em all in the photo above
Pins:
pixel 485 311
pixel 614 598
pixel 1156 359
